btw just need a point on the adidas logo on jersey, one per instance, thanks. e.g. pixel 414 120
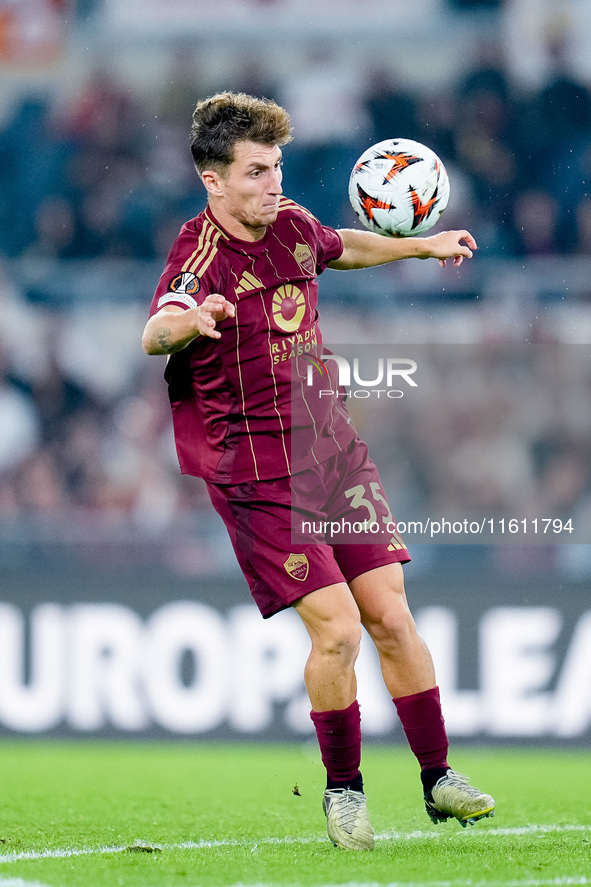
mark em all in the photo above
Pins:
pixel 247 283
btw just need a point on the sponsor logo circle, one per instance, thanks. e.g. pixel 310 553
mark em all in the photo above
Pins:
pixel 289 307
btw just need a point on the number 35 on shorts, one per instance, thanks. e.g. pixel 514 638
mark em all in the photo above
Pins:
pixel 362 496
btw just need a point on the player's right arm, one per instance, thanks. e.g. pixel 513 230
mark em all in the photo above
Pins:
pixel 172 328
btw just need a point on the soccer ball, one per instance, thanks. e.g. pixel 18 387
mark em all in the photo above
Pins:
pixel 399 187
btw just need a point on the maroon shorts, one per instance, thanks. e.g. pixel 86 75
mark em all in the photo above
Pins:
pixel 297 534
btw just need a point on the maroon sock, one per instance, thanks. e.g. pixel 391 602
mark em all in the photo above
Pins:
pixel 339 738
pixel 423 723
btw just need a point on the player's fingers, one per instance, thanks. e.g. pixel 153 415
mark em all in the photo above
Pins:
pixel 463 251
pixel 210 331
pixel 213 310
pixel 468 239
pixel 206 321
pixel 213 301
pixel 465 240
pixel 216 303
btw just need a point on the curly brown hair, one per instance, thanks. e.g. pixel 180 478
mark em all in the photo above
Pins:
pixel 228 117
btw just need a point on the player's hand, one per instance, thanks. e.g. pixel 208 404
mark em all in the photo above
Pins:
pixel 212 310
pixel 456 245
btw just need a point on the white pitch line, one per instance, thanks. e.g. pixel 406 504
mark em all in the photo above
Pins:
pixel 552 882
pixel 515 831
pixel 441 833
pixel 66 853
pixel 576 881
pixel 18 882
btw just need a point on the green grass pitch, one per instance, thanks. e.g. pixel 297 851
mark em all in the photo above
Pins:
pixel 92 814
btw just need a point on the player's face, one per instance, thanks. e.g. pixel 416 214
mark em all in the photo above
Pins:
pixel 248 195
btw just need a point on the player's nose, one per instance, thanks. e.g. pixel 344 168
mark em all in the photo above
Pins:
pixel 275 183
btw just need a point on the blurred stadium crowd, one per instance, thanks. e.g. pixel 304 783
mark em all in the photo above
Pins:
pixel 103 175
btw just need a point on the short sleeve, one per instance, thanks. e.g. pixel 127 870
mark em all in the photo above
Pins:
pixel 330 246
pixel 178 286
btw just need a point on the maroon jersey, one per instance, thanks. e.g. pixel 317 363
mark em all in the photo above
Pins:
pixel 240 402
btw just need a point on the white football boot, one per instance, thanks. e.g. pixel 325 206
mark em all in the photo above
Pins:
pixel 452 795
pixel 347 822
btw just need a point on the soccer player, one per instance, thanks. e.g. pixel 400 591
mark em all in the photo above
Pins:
pixel 234 311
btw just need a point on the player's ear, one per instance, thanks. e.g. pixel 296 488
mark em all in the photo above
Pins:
pixel 212 181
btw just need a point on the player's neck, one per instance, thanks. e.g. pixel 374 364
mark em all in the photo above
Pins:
pixel 234 227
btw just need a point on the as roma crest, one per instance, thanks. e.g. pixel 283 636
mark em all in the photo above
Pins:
pixel 297 566
pixel 303 256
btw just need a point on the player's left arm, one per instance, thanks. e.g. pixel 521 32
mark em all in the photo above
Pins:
pixel 363 249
